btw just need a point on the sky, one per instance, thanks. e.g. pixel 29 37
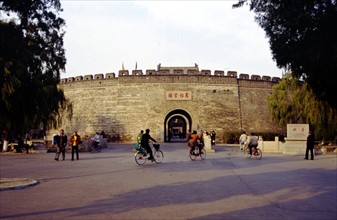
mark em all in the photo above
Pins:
pixel 102 36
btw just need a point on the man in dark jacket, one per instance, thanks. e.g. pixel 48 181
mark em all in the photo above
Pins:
pixel 310 146
pixel 61 142
pixel 145 143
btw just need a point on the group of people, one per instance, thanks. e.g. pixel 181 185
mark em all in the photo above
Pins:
pixel 143 139
pixel 61 142
pixel 252 141
pixel 201 136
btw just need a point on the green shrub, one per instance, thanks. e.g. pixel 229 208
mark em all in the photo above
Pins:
pixel 231 137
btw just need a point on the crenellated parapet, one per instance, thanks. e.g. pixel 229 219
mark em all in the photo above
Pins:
pixel 172 71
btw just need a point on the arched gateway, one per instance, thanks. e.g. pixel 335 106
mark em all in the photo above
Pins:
pixel 176 125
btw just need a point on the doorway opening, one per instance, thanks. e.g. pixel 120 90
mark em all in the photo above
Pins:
pixel 176 125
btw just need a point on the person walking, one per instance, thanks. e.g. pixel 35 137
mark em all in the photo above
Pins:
pixel 310 146
pixel 145 143
pixel 61 144
pixel 75 140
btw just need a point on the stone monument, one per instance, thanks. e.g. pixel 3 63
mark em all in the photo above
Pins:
pixel 208 144
pixel 296 139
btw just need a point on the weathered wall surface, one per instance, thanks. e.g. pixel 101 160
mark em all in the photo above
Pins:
pixel 254 107
pixel 129 103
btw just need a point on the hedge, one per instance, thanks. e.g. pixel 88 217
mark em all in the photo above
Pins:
pixel 232 137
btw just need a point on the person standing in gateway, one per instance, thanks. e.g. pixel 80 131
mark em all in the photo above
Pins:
pixel 61 143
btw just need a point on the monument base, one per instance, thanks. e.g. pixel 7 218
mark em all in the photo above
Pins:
pixel 295 147
pixel 208 145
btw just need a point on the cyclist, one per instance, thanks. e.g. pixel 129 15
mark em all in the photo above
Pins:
pixel 145 143
pixel 253 141
pixel 95 140
pixel 242 139
pixel 193 141
pixel 139 137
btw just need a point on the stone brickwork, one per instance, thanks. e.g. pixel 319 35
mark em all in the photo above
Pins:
pixel 126 104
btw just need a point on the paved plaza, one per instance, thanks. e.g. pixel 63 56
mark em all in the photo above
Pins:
pixel 110 185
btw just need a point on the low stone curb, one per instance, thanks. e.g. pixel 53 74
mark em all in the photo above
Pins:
pixel 16 183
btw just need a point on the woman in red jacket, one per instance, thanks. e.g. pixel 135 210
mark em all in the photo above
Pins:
pixel 75 140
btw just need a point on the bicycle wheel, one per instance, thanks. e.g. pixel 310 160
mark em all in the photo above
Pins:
pixel 203 154
pixel 140 158
pixel 194 153
pixel 158 156
pixel 99 148
pixel 258 154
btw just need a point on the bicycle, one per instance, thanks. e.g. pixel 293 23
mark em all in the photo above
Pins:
pixel 198 151
pixel 256 152
pixel 141 154
pixel 97 148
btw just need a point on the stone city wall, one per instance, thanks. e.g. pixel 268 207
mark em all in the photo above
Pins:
pixel 126 104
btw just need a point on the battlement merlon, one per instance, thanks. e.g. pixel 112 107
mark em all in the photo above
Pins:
pixel 176 71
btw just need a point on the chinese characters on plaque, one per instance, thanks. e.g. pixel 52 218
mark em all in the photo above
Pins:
pixel 297 131
pixel 178 95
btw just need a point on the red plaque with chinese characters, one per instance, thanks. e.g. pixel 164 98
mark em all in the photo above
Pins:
pixel 178 95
